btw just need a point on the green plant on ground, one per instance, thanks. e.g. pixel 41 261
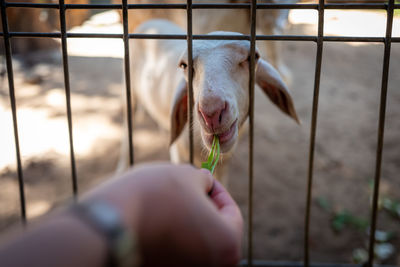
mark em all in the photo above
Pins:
pixel 344 218
pixel 383 249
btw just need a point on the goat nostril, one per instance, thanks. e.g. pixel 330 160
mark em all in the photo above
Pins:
pixel 204 116
pixel 220 117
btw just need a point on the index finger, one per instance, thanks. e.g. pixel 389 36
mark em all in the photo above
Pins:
pixel 203 178
pixel 227 207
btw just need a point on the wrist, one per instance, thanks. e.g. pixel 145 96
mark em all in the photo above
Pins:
pixel 106 220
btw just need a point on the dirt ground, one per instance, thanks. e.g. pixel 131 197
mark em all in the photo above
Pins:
pixel 345 144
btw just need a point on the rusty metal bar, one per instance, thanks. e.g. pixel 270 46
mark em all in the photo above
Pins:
pixel 190 77
pixel 203 37
pixel 127 79
pixel 353 39
pixel 313 131
pixel 68 97
pixel 31 5
pixel 356 6
pixel 381 129
pixel 253 17
pixel 10 73
pixel 203 6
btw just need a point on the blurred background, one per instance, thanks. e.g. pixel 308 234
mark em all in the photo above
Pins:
pixel 345 143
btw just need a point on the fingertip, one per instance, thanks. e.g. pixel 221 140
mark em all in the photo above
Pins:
pixel 205 171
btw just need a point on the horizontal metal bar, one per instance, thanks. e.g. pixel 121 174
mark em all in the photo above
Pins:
pixel 158 36
pixel 95 35
pixel 286 6
pixel 356 6
pixel 163 36
pixel 286 38
pixel 262 263
pixel 203 37
pixel 354 39
pixel 293 6
pixel 202 6
pixel 58 35
pixel 157 6
pixel 32 5
pixel 258 6
pixel 34 34
pixel 93 6
pixel 98 6
pixel 221 37
pixel 221 6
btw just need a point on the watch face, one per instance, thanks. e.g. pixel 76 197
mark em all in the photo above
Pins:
pixel 105 213
pixel 107 216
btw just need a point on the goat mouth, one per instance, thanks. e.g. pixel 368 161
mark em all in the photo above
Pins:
pixel 223 137
pixel 227 135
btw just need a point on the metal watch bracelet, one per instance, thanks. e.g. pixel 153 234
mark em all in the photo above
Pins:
pixel 105 219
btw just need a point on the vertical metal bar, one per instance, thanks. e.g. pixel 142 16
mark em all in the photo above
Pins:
pixel 253 14
pixel 7 46
pixel 127 78
pixel 68 96
pixel 190 76
pixel 313 130
pixel 381 129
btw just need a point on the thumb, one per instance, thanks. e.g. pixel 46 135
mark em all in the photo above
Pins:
pixel 227 207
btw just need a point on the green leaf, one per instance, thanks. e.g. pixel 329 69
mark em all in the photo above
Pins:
pixel 216 157
pixel 205 165
pixel 213 157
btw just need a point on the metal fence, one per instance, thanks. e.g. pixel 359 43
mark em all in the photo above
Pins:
pixel 321 6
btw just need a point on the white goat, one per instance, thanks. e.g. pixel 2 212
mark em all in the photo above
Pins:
pixel 220 86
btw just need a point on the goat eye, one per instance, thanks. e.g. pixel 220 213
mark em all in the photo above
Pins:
pixel 257 56
pixel 183 65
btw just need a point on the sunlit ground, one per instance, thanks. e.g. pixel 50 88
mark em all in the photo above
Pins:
pixel 47 138
pixel 346 23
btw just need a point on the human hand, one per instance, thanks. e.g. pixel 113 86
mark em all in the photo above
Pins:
pixel 174 220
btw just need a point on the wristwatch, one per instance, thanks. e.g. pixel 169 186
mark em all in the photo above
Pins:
pixel 105 219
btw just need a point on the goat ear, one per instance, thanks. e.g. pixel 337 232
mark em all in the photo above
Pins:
pixel 273 86
pixel 179 111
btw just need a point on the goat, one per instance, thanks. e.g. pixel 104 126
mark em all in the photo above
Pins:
pixel 220 87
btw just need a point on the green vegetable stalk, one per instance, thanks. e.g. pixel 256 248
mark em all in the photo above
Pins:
pixel 213 157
